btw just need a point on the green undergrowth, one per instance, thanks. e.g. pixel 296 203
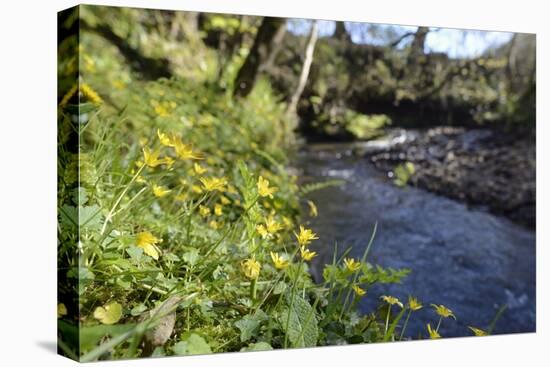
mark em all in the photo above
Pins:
pixel 180 229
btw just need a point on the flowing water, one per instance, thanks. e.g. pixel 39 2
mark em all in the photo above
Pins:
pixel 465 258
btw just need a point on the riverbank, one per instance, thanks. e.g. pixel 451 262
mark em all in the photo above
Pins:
pixel 491 170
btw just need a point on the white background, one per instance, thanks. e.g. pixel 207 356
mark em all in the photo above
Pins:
pixel 28 181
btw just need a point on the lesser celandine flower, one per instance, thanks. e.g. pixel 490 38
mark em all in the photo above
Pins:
pixel 414 304
pixel 91 94
pixel 147 241
pixel 160 191
pixel 224 200
pixel 213 183
pixel 61 310
pixel 305 236
pixel 218 209
pixel 196 189
pixel 151 158
pixel 251 268
pixel 165 139
pixel 199 170
pixel 443 311
pixel 262 231
pixel 433 333
pixel 352 264
pixel 204 211
pixel 306 254
pixel 278 261
pixel 231 189
pixel 184 151
pixel 477 332
pixel 264 189
pixel 358 290
pixel 271 225
pixel 392 301
pixel 312 208
pixel 213 224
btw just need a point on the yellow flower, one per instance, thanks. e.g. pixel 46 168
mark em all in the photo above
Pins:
pixel 162 111
pixel 181 197
pixel 392 301
pixel 90 94
pixel 352 264
pixel 218 210
pixel 67 97
pixel 232 189
pixel 358 290
pixel 160 191
pixel 477 332
pixel 305 236
pixel 199 170
pixel 165 139
pixel 151 158
pixel 168 161
pixel 147 241
pixel 184 151
pixel 269 229
pixel 271 225
pixel 278 261
pixel 61 310
pixel 433 333
pixel 224 200
pixel 414 304
pixel 306 254
pixel 251 268
pixel 287 222
pixel 262 231
pixel 213 224
pixel 213 183
pixel 264 189
pixel 312 209
pixel 204 211
pixel 443 311
pixel 196 189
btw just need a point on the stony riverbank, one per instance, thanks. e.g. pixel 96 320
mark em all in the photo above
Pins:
pixel 480 167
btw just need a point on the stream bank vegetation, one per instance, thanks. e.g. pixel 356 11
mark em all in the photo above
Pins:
pixel 181 229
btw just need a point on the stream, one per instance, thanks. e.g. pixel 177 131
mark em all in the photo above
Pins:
pixel 469 260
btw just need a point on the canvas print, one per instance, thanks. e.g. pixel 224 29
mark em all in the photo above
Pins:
pixel 236 183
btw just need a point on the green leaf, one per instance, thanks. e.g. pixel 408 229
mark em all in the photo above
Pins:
pixel 158 352
pixel 86 217
pixel 250 324
pixel 90 336
pixel 138 309
pixel 191 257
pixel 302 328
pixel 391 330
pixel 135 253
pixel 256 347
pixel 80 196
pixel 68 216
pixel 108 314
pixel 191 345
pixel 90 217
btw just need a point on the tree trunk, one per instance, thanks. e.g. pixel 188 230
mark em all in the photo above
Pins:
pixel 258 55
pixel 417 47
pixel 341 33
pixel 308 59
pixel 277 43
